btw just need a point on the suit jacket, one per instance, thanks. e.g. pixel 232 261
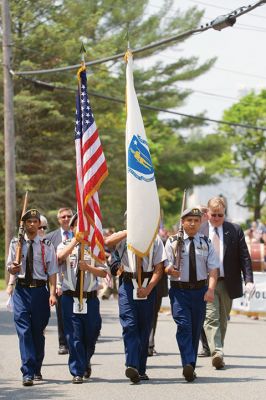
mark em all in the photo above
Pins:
pixel 55 237
pixel 236 259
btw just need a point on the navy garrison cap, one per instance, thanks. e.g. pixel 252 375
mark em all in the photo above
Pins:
pixel 33 213
pixel 191 212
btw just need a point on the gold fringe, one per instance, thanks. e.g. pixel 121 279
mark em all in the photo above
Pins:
pixel 81 69
pixel 146 253
pixel 128 53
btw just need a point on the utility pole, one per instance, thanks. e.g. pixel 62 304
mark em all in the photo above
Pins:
pixel 9 130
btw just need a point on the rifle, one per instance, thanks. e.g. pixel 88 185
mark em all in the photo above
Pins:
pixel 179 237
pixel 21 232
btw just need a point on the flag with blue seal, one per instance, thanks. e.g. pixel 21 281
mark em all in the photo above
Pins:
pixel 143 207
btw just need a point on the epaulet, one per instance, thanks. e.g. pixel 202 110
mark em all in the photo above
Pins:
pixel 173 238
pixel 46 241
pixel 14 240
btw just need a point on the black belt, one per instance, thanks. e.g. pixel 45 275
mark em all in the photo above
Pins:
pixel 128 276
pixel 86 295
pixel 221 278
pixel 33 284
pixel 188 285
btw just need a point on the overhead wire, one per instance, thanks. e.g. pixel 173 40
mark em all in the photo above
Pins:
pixel 181 36
pixel 221 8
pixel 144 106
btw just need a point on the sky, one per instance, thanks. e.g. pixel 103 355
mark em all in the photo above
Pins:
pixel 239 68
pixel 240 53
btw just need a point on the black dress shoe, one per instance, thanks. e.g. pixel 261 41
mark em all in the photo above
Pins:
pixel 62 350
pixel 133 374
pixel 188 372
pixel 87 373
pixel 77 379
pixel 27 382
pixel 37 377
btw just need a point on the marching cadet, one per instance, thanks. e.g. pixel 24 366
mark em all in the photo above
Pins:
pixel 136 315
pixel 190 289
pixel 81 327
pixel 31 298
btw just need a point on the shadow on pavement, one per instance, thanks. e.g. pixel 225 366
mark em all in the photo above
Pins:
pixel 36 392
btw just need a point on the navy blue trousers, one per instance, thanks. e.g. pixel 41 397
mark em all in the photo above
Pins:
pixel 31 316
pixel 81 332
pixel 188 310
pixel 136 320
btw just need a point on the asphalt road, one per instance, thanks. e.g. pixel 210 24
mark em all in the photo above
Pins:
pixel 243 378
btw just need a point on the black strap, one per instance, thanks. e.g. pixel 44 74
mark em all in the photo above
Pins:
pixel 78 274
pixel 29 264
pixel 192 262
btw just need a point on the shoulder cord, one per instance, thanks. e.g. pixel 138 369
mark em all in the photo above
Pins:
pixel 206 240
pixel 43 256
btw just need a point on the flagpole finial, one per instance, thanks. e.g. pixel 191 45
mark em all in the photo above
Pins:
pixel 128 43
pixel 82 52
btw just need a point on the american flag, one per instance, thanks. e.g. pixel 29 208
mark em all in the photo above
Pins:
pixel 91 170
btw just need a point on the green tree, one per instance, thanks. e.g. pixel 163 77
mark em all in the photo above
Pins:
pixel 48 34
pixel 248 147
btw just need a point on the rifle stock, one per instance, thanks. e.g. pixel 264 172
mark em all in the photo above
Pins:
pixel 180 236
pixel 21 231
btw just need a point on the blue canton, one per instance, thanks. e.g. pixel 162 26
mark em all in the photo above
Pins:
pixel 84 115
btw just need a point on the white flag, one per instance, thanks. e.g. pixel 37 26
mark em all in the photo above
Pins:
pixel 143 207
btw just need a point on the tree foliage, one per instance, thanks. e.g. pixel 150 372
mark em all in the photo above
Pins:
pixel 48 34
pixel 249 147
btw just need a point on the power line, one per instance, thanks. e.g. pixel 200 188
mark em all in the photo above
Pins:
pixel 50 86
pixel 240 73
pixel 222 8
pixel 218 24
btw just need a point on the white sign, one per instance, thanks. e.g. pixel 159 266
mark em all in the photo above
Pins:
pixel 258 301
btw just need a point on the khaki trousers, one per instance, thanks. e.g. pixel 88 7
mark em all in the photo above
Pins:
pixel 217 314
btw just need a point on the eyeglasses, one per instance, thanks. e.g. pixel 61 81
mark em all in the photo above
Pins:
pixel 66 216
pixel 217 215
pixel 43 228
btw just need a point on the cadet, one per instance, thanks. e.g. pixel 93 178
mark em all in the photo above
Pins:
pixel 190 289
pixel 31 298
pixel 136 315
pixel 81 328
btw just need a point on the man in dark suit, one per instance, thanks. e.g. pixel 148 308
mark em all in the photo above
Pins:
pixel 229 242
pixel 56 237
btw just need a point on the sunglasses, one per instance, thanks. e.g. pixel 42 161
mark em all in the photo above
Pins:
pixel 66 216
pixel 217 215
pixel 43 228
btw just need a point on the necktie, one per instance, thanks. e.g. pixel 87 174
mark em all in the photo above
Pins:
pixel 216 245
pixel 66 234
pixel 29 264
pixel 192 262
pixel 216 242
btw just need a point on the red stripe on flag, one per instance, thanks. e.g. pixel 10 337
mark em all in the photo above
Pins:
pixel 90 219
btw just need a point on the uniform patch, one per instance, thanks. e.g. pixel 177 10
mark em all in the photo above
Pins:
pixel 47 242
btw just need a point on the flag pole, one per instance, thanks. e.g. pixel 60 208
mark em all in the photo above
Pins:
pixel 81 278
pixel 139 262
pixel 81 286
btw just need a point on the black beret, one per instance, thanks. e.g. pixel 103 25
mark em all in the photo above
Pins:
pixel 33 213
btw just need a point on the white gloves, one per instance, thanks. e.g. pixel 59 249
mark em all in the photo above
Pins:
pixel 250 290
